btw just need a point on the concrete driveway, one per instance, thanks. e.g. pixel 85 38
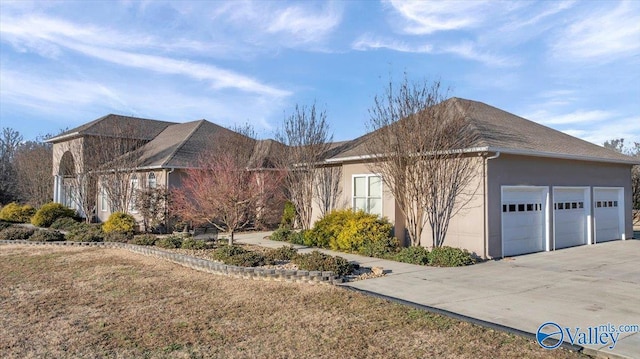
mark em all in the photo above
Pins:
pixel 576 288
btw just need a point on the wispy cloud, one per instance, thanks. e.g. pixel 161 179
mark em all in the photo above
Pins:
pixel 573 118
pixel 369 42
pixel 52 35
pixel 602 35
pixel 426 17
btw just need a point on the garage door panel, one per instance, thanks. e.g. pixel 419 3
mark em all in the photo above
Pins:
pixel 570 210
pixel 607 213
pixel 523 220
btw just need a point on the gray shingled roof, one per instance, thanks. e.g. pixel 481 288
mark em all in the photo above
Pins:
pixel 502 131
pixel 180 145
pixel 116 126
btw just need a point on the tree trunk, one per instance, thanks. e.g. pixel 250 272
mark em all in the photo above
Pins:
pixel 231 238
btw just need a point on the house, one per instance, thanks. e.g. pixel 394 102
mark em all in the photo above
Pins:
pixel 536 189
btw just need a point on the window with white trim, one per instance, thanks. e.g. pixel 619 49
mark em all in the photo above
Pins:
pixel 151 180
pixel 367 193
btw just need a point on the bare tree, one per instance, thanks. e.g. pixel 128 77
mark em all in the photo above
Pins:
pixel 222 192
pixel 9 142
pixel 306 133
pixel 417 144
pixel 32 162
pixel 328 189
pixel 634 151
pixel 152 204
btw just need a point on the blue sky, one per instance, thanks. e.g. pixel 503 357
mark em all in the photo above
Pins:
pixel 573 66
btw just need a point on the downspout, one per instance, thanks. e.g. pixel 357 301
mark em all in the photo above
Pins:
pixel 484 202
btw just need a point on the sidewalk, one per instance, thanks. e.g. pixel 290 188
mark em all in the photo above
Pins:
pixel 578 287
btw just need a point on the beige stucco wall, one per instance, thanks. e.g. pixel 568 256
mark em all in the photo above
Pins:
pixel 510 170
pixel 75 147
pixel 466 227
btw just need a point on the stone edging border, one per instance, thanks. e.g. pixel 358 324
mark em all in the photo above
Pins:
pixel 203 265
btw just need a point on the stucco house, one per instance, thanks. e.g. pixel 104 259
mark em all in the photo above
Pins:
pixel 537 189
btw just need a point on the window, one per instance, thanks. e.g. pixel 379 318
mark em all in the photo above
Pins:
pixel 134 192
pixel 151 180
pixel 367 193
pixel 103 199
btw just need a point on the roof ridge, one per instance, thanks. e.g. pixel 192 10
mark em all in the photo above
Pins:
pixel 175 151
pixel 458 103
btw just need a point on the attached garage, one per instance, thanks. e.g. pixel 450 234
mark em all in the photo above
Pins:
pixel 608 213
pixel 571 210
pixel 524 219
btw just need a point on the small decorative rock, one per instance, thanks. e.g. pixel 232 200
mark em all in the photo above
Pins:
pixel 377 270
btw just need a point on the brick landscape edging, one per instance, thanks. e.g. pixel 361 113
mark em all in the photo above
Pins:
pixel 203 265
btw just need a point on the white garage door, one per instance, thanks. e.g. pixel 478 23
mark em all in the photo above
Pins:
pixel 570 214
pixel 607 213
pixel 523 219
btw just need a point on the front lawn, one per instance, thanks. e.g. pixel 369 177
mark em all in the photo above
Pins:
pixel 95 302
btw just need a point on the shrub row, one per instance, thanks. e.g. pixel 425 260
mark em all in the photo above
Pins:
pixel 16 213
pixel 438 257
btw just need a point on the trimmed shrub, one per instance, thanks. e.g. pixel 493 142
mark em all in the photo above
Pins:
pixel 16 233
pixel 450 257
pixel 190 243
pixel 280 254
pixel 64 223
pixel 84 232
pixel 48 213
pixel 281 234
pixel 121 237
pixel 119 222
pixel 13 212
pixel 288 215
pixel 144 240
pixel 44 235
pixel 381 248
pixel 237 256
pixel 346 230
pixel 414 255
pixel 169 242
pixel 317 261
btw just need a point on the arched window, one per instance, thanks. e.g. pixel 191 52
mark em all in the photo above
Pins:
pixel 151 181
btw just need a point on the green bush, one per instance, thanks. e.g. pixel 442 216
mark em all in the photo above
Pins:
pixel 382 248
pixel 16 233
pixel 119 222
pixel 280 254
pixel 288 215
pixel 64 223
pixel 144 240
pixel 450 257
pixel 414 255
pixel 169 242
pixel 281 234
pixel 317 261
pixel 349 231
pixel 48 213
pixel 44 235
pixel 84 232
pixel 4 224
pixel 122 237
pixel 190 243
pixel 237 256
pixel 13 212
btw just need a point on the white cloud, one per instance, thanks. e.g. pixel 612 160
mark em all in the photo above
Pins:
pixel 575 117
pixel 426 17
pixel 304 24
pixel 601 35
pixel 367 42
pixel 622 127
pixel 469 51
pixel 43 33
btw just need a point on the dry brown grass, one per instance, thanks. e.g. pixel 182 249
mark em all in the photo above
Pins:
pixel 91 302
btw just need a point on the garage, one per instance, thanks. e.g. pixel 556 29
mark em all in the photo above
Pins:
pixel 524 219
pixel 571 208
pixel 608 213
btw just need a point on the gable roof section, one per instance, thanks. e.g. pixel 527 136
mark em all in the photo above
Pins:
pixel 180 145
pixel 501 131
pixel 116 126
